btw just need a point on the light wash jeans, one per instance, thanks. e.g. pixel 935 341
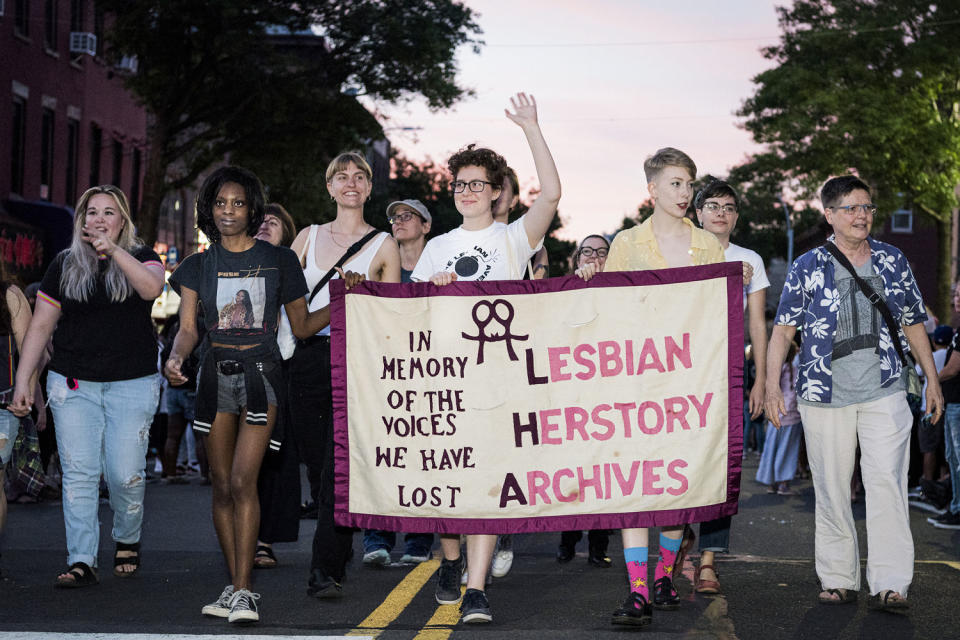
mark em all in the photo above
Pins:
pixel 951 438
pixel 102 427
pixel 9 429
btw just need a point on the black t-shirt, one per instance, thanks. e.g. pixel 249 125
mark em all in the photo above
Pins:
pixel 100 340
pixel 241 293
pixel 951 387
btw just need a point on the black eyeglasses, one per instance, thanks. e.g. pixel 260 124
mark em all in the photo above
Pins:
pixel 853 208
pixel 590 252
pixel 403 216
pixel 457 186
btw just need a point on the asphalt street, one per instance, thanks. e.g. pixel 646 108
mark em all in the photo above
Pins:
pixel 768 581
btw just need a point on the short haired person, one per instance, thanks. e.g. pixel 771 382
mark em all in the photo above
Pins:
pixel 410 222
pixel 717 207
pixel 320 246
pixel 537 267
pixel 483 249
pixel 852 390
pixel 950 519
pixel 666 239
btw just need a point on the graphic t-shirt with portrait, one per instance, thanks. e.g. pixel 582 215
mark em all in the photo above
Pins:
pixel 498 252
pixel 241 293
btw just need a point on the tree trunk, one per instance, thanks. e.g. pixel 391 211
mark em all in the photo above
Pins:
pixel 154 185
pixel 943 305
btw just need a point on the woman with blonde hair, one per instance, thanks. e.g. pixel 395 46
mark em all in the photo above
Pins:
pixel 103 386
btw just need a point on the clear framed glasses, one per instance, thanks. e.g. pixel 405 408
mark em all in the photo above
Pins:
pixel 457 186
pixel 589 252
pixel 403 216
pixel 713 207
pixel 852 209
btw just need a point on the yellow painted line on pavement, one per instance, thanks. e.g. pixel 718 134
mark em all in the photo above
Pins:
pixel 441 623
pixel 397 600
pixel 953 565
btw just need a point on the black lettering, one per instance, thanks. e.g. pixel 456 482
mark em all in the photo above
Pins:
pixel 519 429
pixel 511 491
pixel 532 377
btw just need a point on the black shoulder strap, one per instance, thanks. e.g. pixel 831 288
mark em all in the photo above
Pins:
pixel 875 299
pixel 354 248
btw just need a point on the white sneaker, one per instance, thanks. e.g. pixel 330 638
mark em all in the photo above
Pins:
pixel 380 557
pixel 243 607
pixel 502 561
pixel 220 608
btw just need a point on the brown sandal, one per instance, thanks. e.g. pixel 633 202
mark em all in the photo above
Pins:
pixel 706 586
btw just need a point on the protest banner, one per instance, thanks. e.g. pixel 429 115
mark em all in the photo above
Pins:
pixel 514 406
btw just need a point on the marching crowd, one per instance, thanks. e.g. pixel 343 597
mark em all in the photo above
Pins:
pixel 247 368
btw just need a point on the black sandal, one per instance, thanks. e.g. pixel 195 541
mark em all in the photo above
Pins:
pixel 844 596
pixel 264 558
pixel 83 576
pixel 881 601
pixel 119 561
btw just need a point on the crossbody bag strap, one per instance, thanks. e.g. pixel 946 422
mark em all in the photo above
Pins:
pixel 875 299
pixel 349 253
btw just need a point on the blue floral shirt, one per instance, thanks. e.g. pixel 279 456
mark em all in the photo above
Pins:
pixel 810 301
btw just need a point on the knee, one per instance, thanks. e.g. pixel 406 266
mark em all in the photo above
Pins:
pixel 243 488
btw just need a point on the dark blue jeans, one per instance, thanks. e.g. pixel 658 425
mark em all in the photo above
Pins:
pixel 416 544
pixel 715 535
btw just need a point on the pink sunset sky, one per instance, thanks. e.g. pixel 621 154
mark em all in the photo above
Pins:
pixel 614 81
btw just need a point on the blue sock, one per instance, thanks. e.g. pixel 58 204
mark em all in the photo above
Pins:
pixel 636 558
pixel 669 543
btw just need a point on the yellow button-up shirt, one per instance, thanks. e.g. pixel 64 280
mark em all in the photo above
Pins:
pixel 636 249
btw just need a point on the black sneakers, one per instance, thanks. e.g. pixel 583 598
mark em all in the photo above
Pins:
pixel 323 586
pixel 448 581
pixel 946 521
pixel 635 611
pixel 475 608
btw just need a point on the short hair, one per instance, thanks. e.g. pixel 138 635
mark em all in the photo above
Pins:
pixel 342 161
pixel 511 177
pixel 472 156
pixel 835 189
pixel 667 157
pixel 716 189
pixel 576 253
pixel 252 189
pixel 286 222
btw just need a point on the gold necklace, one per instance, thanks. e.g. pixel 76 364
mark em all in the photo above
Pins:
pixel 333 236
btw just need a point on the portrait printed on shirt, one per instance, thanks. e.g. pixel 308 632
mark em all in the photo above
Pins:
pixel 240 302
pixel 475 263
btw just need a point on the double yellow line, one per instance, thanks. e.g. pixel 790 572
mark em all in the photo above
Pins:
pixel 438 627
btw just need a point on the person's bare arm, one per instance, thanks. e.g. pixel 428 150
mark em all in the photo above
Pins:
pixel 186 340
pixel 42 325
pixel 536 221
pixel 387 262
pixel 757 326
pixel 304 323
pixel 777 351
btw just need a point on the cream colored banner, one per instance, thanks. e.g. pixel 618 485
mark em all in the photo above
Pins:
pixel 604 400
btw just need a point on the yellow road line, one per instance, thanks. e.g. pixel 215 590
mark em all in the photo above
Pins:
pixel 441 623
pixel 396 601
pixel 953 565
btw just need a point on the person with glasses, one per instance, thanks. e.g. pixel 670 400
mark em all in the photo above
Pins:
pixel 410 222
pixel 851 383
pixel 717 207
pixel 483 249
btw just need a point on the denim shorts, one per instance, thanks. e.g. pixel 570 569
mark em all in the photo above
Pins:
pixel 181 399
pixel 9 428
pixel 232 393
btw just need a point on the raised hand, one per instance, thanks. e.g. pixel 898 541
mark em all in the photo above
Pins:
pixel 100 242
pixel 524 110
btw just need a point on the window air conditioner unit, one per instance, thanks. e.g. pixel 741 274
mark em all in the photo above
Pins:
pixel 127 63
pixel 83 42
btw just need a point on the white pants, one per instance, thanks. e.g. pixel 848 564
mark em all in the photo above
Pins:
pixel 883 429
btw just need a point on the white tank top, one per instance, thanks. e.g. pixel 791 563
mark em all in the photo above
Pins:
pixel 359 263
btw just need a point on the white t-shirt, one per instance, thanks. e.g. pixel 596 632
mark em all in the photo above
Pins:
pixel 736 253
pixel 499 252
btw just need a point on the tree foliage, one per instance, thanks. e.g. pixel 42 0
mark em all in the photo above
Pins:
pixel 275 82
pixel 870 87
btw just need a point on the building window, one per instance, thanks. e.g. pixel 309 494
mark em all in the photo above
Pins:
pixel 21 17
pixel 902 221
pixel 73 140
pixel 46 155
pixel 117 163
pixel 50 25
pixel 135 186
pixel 76 15
pixel 96 150
pixel 18 144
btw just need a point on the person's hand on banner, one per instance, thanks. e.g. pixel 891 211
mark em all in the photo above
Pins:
pixel 443 278
pixel 747 273
pixel 587 271
pixel 350 278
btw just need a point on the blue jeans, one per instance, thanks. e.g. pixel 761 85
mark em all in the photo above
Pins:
pixel 752 425
pixel 415 544
pixel 951 438
pixel 102 427
pixel 9 429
